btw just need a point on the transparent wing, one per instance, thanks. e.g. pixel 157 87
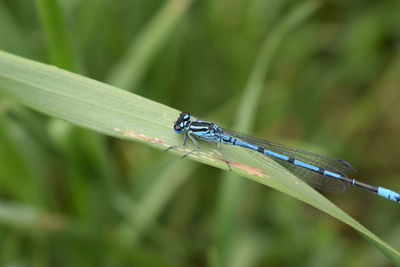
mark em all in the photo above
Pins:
pixel 322 161
pixel 314 179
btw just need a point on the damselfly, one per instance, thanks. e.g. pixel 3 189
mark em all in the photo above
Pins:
pixel 318 171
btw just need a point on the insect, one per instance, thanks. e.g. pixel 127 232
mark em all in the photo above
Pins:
pixel 319 171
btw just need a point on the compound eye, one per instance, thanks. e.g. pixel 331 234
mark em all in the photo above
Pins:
pixel 178 128
pixel 185 116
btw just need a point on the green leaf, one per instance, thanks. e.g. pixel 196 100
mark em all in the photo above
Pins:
pixel 112 111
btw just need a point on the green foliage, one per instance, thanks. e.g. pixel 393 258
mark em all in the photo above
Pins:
pixel 325 75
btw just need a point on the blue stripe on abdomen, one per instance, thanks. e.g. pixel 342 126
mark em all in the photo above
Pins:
pixel 276 155
pixel 332 174
pixel 244 144
pixel 305 165
pixel 261 150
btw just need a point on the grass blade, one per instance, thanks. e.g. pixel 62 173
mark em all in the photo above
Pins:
pixel 58 42
pixel 117 113
pixel 130 70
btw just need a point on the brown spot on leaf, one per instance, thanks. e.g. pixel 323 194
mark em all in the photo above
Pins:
pixel 132 133
pixel 246 168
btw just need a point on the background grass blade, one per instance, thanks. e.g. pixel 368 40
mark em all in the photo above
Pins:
pixel 130 69
pixel 234 188
pixel 117 113
pixel 56 34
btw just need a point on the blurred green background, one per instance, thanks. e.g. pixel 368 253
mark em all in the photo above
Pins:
pixel 71 197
